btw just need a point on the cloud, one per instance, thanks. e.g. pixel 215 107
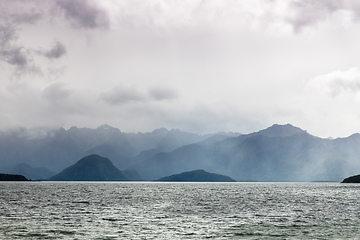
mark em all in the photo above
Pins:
pixel 85 13
pixel 14 54
pixel 337 82
pixel 11 52
pixel 163 93
pixel 309 12
pixel 56 92
pixel 30 17
pixel 305 13
pixel 57 51
pixel 7 34
pixel 121 95
pixel 15 15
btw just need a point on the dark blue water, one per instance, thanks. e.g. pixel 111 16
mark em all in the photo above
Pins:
pixel 134 210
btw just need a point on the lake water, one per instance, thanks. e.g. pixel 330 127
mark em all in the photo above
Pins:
pixel 146 210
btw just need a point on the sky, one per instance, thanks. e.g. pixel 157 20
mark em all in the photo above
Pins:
pixel 197 65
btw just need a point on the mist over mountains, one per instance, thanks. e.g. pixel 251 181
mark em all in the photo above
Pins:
pixel 56 149
pixel 278 153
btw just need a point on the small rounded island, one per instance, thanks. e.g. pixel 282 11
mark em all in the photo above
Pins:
pixel 352 179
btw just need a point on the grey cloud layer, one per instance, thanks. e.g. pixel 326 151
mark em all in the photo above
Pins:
pixel 56 92
pixel 15 14
pixel 12 16
pixel 163 93
pixel 12 53
pixel 124 95
pixel 238 60
pixel 84 13
pixel 57 51
pixel 310 12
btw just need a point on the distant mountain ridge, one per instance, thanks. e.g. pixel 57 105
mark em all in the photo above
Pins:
pixel 56 149
pixel 30 172
pixel 277 153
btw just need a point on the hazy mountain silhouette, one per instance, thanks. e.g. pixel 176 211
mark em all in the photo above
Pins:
pixel 56 149
pixel 278 153
pixel 91 168
pixel 196 176
pixel 30 172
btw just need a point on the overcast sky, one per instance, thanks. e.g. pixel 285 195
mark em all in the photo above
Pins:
pixel 199 66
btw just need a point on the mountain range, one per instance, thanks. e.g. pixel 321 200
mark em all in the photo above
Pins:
pixel 55 149
pixel 278 153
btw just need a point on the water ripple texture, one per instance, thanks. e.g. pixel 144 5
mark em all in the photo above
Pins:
pixel 155 210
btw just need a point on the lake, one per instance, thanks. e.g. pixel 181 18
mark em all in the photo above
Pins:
pixel 155 210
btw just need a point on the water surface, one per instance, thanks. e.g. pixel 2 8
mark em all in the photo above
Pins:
pixel 147 210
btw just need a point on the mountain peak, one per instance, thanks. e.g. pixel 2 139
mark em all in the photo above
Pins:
pixel 91 168
pixel 278 130
pixel 107 128
pixel 159 132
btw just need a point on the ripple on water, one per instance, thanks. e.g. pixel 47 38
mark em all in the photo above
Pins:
pixel 128 210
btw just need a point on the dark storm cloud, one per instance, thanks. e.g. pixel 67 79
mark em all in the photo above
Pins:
pixel 84 13
pixel 57 51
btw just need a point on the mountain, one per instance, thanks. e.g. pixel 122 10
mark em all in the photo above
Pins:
pixel 12 177
pixel 278 153
pixel 58 148
pixel 91 168
pixel 352 179
pixel 277 130
pixel 197 176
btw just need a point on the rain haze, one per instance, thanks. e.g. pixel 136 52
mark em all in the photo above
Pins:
pixel 199 66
